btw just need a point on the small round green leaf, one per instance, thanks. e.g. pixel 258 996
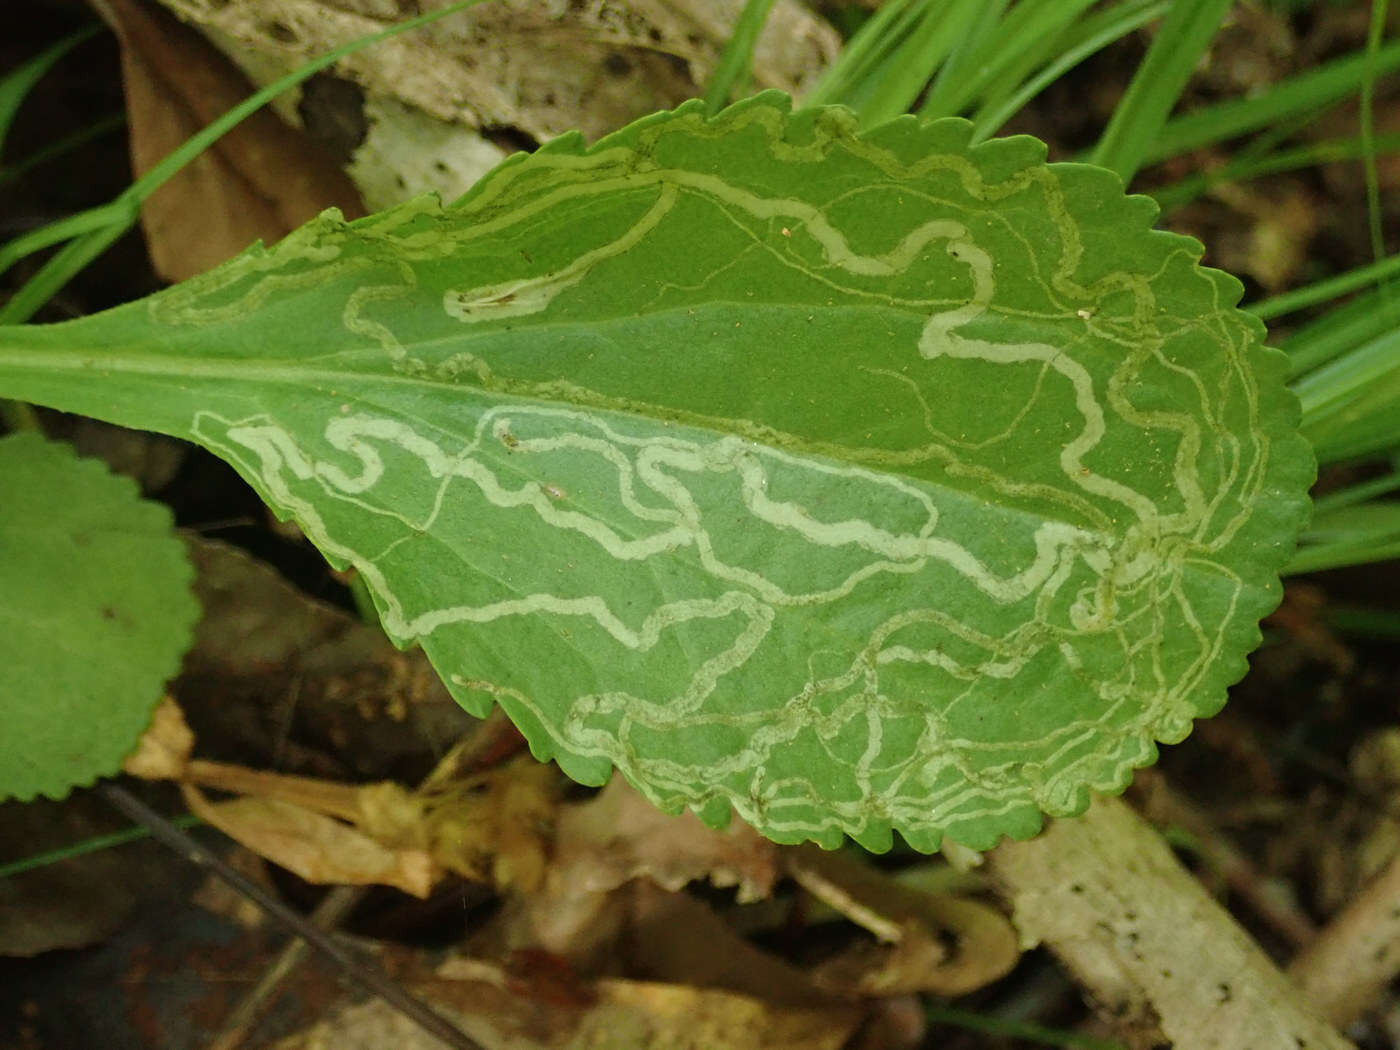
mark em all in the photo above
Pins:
pixel 95 613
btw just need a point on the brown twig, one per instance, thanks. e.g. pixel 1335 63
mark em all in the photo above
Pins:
pixel 366 975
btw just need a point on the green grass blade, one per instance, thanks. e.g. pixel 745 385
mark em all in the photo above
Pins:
pixel 1341 330
pixel 1355 494
pixel 1137 121
pixel 1028 31
pixel 735 66
pixel 1302 95
pixel 1351 406
pixel 17 84
pixel 95 844
pixel 1353 535
pixel 118 212
pixel 892 88
pixel 876 39
pixel 1324 290
pixel 1241 167
pixel 983 33
pixel 1092 36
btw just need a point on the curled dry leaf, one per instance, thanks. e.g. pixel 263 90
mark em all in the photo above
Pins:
pixel 164 749
pixel 316 847
pixel 493 827
pixel 438 108
pixel 913 931
pixel 603 844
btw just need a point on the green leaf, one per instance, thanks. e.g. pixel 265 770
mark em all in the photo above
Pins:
pixel 96 609
pixel 856 482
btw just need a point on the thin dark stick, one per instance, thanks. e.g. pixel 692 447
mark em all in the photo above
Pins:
pixel 365 974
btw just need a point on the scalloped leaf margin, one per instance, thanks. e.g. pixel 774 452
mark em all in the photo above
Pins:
pixel 852 482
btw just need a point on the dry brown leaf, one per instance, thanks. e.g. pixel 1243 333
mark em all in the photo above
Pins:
pixel 619 835
pixel 613 839
pixel 318 848
pixel 438 108
pixel 492 827
pixel 260 181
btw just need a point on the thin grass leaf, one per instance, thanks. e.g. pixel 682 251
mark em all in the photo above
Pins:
pixel 876 39
pixel 1305 95
pixel 1352 535
pixel 16 85
pixel 1027 32
pixel 1137 121
pixel 1356 494
pixel 735 66
pixel 967 52
pixel 1341 330
pixel 1375 31
pixel 1322 291
pixel 1095 33
pixel 892 88
pixel 1242 167
pixel 1351 406
pixel 68 144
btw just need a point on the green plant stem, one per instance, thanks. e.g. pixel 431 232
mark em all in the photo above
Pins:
pixel 90 845
pixel 1187 30
pixel 81 251
pixel 735 65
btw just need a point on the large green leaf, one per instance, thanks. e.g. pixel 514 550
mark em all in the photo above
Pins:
pixel 853 481
pixel 95 613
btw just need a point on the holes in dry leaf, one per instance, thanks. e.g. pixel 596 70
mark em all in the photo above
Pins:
pixel 280 32
pixel 510 139
pixel 617 65
pixel 332 110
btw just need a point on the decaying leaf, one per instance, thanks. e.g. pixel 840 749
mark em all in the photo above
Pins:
pixel 491 826
pixel 316 847
pixel 261 181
